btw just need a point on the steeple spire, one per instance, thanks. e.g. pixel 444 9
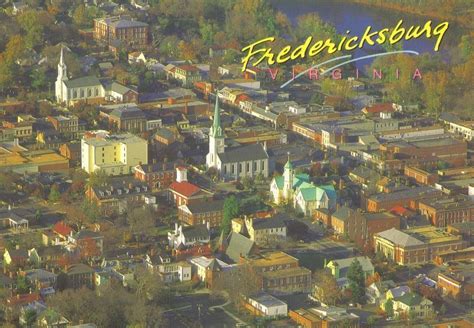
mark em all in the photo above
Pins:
pixel 216 124
pixel 61 58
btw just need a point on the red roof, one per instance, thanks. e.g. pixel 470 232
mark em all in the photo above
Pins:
pixel 399 210
pixel 62 228
pixel 189 68
pixel 184 188
pixel 379 108
pixel 23 299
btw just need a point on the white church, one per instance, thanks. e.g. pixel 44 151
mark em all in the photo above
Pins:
pixel 300 192
pixel 235 162
pixel 68 91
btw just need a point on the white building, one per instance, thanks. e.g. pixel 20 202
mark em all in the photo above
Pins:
pixel 268 305
pixel 189 236
pixel 114 154
pixel 236 162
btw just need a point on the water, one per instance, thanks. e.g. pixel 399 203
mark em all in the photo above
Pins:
pixel 356 18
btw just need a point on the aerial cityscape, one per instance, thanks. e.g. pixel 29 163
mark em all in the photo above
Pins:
pixel 237 163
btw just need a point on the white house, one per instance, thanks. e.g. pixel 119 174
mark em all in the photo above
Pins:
pixel 189 236
pixel 268 305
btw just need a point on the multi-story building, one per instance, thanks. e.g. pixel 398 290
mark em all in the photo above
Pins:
pixel 458 282
pixel 415 246
pixel 114 154
pixel 182 192
pixel 122 28
pixel 420 176
pixel 447 210
pixel 266 231
pixel 405 198
pixel 80 275
pixel 187 74
pixel 68 125
pixel 202 213
pixel 128 118
pixel 361 227
pixel 464 129
pixel 278 271
pixel 412 306
pixel 158 176
pixel 328 317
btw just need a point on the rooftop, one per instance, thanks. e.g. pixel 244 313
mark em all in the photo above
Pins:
pixel 273 258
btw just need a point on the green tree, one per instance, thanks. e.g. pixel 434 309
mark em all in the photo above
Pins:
pixel 30 317
pixel 356 277
pixel 22 285
pixel 389 308
pixel 54 194
pixel 231 210
pixel 98 178
pixel 91 210
pixel 38 79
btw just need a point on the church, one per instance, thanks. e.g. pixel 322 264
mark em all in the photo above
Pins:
pixel 89 88
pixel 298 190
pixel 235 162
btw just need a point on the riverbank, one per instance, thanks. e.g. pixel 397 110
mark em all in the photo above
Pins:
pixel 439 13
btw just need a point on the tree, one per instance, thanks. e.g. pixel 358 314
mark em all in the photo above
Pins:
pixel 22 285
pixel 141 221
pixel 91 210
pixel 355 275
pixel 38 79
pixel 54 194
pixel 231 210
pixel 98 178
pixel 30 317
pixel 389 308
pixel 326 288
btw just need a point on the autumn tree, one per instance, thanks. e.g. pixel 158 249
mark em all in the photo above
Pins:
pixel 435 90
pixel 54 194
pixel 141 221
pixel 326 289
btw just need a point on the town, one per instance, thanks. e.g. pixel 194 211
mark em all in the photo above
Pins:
pixel 148 179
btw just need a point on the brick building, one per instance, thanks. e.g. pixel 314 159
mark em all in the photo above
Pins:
pixel 202 213
pixel 447 210
pixel 361 227
pixel 157 176
pixel 408 198
pixel 123 29
pixel 458 282
pixel 420 176
pixel 415 246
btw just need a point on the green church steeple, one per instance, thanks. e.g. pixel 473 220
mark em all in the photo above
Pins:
pixel 216 124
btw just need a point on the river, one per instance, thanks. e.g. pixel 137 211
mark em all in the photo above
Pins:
pixel 355 18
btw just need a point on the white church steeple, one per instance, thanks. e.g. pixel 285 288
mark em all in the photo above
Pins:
pixel 62 76
pixel 216 137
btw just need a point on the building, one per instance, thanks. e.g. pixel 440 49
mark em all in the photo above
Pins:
pixel 89 243
pixel 202 213
pixel 420 176
pixel 465 129
pixel 408 198
pixel 115 197
pixel 80 275
pixel 361 227
pixel 412 306
pixel 280 272
pixel 20 160
pixel 296 189
pixel 182 192
pixel 71 151
pixel 128 118
pixel 318 317
pixel 340 220
pixel 266 305
pixel 447 210
pixel 187 74
pixel 266 231
pixel 158 176
pixel 239 247
pixel 189 236
pixel 121 28
pixel 115 154
pixel 67 125
pixel 340 268
pixel 237 162
pixel 88 88
pixel 415 246
pixel 458 281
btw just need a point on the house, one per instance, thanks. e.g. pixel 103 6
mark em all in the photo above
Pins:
pixel 165 136
pixel 296 189
pixel 375 293
pixel 239 247
pixel 457 282
pixel 377 109
pixel 137 57
pixel 340 268
pixel 202 213
pixel 398 291
pixel 41 278
pixel 16 218
pixel 330 317
pixel 266 305
pixel 188 236
pixel 340 219
pixel 158 176
pixel 118 193
pixel 89 243
pixel 187 74
pixel 201 266
pixel 168 270
pixel 15 302
pixel 266 231
pixel 114 154
pixel 182 192
pixel 412 306
pixel 415 246
pixel 80 275
pixel 236 162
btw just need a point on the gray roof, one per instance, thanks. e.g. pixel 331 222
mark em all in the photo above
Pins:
pixel 40 275
pixel 87 234
pixel 346 263
pixel 209 206
pixel 406 193
pixel 81 82
pixel 399 238
pixel 239 245
pixel 244 153
pixel 196 232
pixel 267 300
pixel 79 268
pixel 270 223
pixel 127 112
pixel 123 23
pixel 342 213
